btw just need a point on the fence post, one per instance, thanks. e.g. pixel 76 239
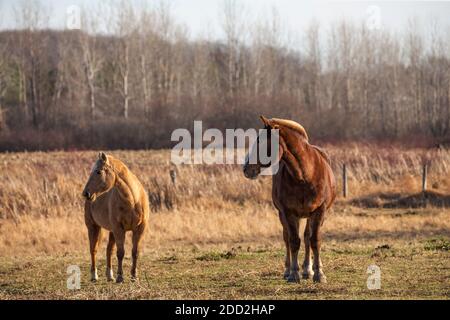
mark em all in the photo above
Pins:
pixel 173 176
pixel 344 181
pixel 424 178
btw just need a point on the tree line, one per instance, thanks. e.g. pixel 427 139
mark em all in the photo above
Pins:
pixel 131 87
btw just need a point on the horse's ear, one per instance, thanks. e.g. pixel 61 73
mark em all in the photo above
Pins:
pixel 102 156
pixel 265 121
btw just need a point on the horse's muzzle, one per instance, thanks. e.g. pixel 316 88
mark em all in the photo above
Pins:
pixel 251 172
pixel 87 195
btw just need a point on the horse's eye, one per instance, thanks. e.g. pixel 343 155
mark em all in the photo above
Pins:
pixel 99 172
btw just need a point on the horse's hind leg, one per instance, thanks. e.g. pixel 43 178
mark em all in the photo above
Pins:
pixel 109 252
pixel 94 233
pixel 294 246
pixel 307 265
pixel 316 221
pixel 287 261
pixel 137 238
pixel 119 236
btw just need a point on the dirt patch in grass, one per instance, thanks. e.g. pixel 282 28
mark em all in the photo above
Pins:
pixel 216 256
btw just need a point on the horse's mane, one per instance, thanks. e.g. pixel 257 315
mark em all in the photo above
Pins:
pixel 292 125
pixel 118 166
pixel 127 176
pixel 300 129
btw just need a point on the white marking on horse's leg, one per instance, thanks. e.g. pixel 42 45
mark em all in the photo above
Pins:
pixel 308 272
pixel 94 275
pixel 319 275
pixel 109 274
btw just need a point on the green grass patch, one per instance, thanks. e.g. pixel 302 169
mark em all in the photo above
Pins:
pixel 438 244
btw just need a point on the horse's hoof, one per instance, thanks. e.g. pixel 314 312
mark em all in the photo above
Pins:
pixel 94 276
pixel 319 278
pixel 134 279
pixel 119 279
pixel 294 277
pixel 286 275
pixel 307 275
pixel 109 275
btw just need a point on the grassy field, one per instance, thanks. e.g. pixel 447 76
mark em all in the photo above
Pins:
pixel 214 234
pixel 413 269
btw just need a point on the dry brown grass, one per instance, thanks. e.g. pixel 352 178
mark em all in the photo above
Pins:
pixel 215 234
pixel 41 207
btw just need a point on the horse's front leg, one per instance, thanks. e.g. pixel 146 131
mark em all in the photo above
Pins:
pixel 287 261
pixel 119 236
pixel 109 252
pixel 307 263
pixel 316 222
pixel 94 233
pixel 294 246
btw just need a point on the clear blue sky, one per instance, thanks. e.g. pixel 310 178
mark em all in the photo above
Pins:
pixel 202 16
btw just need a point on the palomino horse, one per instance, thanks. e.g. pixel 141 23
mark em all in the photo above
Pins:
pixel 303 187
pixel 115 201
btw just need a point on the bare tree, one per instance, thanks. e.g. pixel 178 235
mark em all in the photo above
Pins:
pixel 31 16
pixel 314 70
pixel 4 78
pixel 415 47
pixel 147 36
pixel 360 82
pixel 234 28
pixel 437 82
pixel 126 31
pixel 92 58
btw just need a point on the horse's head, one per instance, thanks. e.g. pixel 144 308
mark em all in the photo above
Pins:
pixel 101 180
pixel 263 146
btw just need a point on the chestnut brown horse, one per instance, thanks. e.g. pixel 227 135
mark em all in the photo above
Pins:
pixel 303 187
pixel 115 201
